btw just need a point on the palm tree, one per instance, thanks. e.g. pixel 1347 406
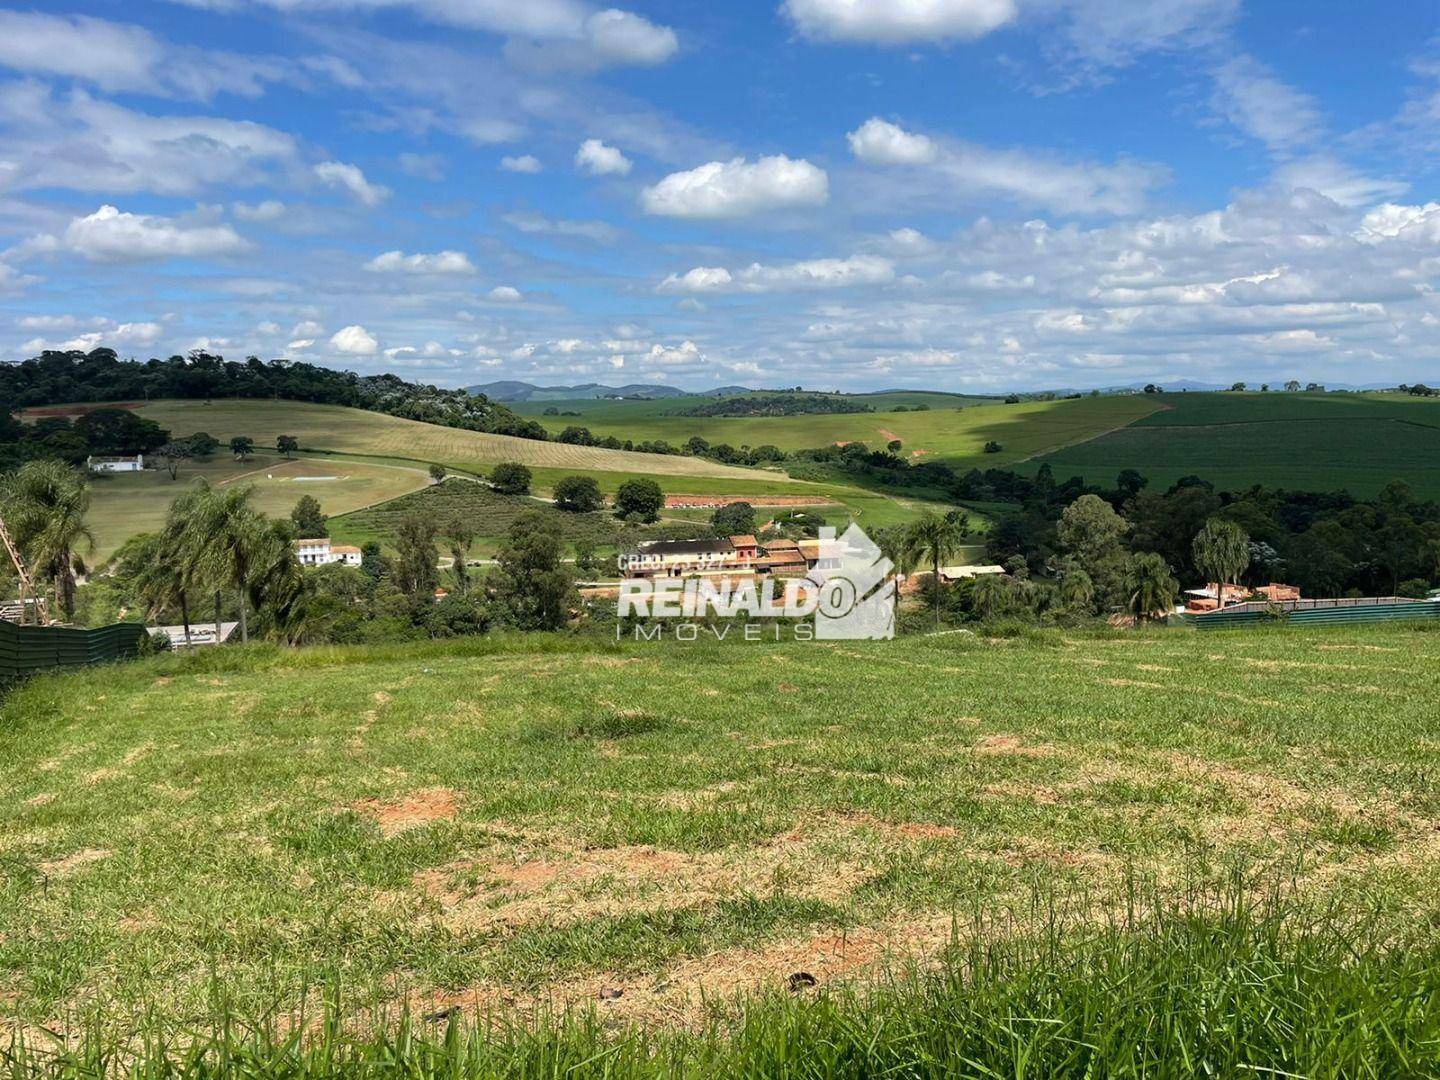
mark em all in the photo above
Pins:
pixel 276 584
pixel 894 544
pixel 46 502
pixel 1151 586
pixel 226 539
pixel 1222 552
pixel 991 595
pixel 1077 589
pixel 159 580
pixel 934 539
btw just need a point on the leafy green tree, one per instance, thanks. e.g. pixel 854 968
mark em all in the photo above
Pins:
pixel 1077 590
pixel 640 498
pixel 437 473
pixel 242 446
pixel 1130 482
pixel 416 572
pixel 510 478
pixel 532 581
pixel 993 447
pixel 460 537
pixel 733 519
pixel 1222 552
pixel 894 543
pixel 202 444
pixel 990 595
pixel 578 494
pixel 308 519
pixel 1151 586
pixel 172 455
pixel 287 444
pixel 934 539
pixel 45 505
pixel 120 431
pixel 1091 532
pixel 894 446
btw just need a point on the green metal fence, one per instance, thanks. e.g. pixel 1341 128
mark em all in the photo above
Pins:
pixel 1345 612
pixel 25 650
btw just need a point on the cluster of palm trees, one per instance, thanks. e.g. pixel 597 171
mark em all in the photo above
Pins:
pixel 45 503
pixel 214 540
pixel 930 540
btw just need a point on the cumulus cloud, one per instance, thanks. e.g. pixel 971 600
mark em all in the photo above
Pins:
pixel 738 188
pixel 898 22
pixel 524 163
pixel 947 167
pixel 597 159
pixel 879 142
pixel 609 38
pixel 506 294
pixel 807 274
pixel 349 178
pixel 354 341
pixel 269 210
pixel 108 235
pixel 1337 180
pixel 442 262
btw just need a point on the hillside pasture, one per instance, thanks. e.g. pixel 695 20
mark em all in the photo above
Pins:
pixel 124 504
pixel 601 410
pixel 1314 442
pixel 354 431
pixel 491 826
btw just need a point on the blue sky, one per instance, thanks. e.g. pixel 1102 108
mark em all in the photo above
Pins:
pixel 955 194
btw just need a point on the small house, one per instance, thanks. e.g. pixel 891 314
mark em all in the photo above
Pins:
pixel 120 464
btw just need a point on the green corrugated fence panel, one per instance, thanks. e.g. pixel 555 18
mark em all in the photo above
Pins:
pixel 28 649
pixel 1349 615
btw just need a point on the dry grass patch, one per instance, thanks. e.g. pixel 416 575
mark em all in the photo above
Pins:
pixel 412 811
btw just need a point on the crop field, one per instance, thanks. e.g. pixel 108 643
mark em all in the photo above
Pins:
pixel 124 504
pixel 954 435
pixel 354 431
pixel 494 826
pixel 610 411
pixel 1316 442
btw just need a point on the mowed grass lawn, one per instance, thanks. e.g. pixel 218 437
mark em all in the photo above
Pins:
pixel 492 824
pixel 124 504
pixel 355 431
pixel 1312 442
pixel 954 435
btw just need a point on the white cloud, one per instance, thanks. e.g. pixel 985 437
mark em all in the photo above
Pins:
pixel 269 210
pixel 950 167
pixel 737 188
pixel 685 355
pixel 1337 180
pixel 300 345
pixel 108 235
pixel 355 341
pixel 538 224
pixel 880 142
pixel 442 262
pixel 1420 224
pixel 337 174
pixel 307 329
pixel 524 163
pixel 609 38
pixel 896 22
pixel 506 294
pixel 422 166
pixel 597 159
pixel 1256 101
pixel 808 274
pixel 127 151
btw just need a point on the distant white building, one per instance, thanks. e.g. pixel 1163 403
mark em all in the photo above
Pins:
pixel 200 634
pixel 116 464
pixel 321 552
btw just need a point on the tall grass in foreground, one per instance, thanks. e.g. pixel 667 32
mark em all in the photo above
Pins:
pixel 1223 991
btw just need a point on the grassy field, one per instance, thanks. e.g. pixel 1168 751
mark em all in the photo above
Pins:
pixel 955 435
pixel 354 431
pixel 124 504
pixel 1317 442
pixel 490 826
pixel 601 410
pixel 490 514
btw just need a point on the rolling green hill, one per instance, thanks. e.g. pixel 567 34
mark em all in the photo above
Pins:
pixel 1316 442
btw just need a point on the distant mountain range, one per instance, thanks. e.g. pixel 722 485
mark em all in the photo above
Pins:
pixel 510 391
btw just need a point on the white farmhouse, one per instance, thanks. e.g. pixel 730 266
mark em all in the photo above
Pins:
pixel 116 464
pixel 320 552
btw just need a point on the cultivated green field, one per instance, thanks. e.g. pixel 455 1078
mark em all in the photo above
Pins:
pixel 486 825
pixel 354 431
pixel 602 410
pixel 1315 442
pixel 957 436
pixel 124 504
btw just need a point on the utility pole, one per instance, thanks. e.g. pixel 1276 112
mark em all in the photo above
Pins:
pixel 26 588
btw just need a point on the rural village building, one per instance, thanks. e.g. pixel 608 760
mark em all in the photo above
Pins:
pixel 115 464
pixel 322 553
pixel 731 556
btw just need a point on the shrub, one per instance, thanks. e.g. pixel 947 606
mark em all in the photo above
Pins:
pixel 578 494
pixel 510 478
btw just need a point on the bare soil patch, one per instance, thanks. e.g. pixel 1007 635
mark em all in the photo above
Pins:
pixel 412 811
